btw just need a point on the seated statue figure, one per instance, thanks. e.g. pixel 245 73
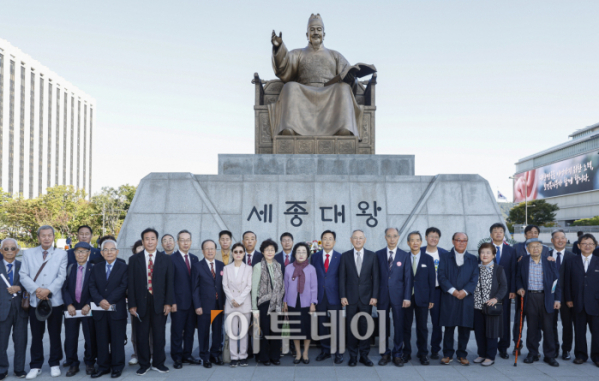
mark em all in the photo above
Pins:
pixel 317 98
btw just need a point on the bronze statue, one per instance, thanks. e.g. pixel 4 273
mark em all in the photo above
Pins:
pixel 317 98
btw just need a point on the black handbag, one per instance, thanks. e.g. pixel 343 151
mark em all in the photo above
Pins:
pixel 494 310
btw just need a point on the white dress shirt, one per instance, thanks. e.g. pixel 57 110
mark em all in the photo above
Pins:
pixel 586 261
pixel 436 260
pixel 247 259
pixel 324 257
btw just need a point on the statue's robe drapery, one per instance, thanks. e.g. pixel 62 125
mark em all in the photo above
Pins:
pixel 305 105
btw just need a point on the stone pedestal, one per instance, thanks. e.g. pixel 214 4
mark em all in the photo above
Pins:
pixel 305 195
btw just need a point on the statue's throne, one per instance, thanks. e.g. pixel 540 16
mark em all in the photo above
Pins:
pixel 267 92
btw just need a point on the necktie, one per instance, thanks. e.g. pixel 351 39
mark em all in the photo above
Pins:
pixel 45 254
pixel 498 256
pixel 359 263
pixel 390 261
pixel 558 261
pixel 414 265
pixel 286 259
pixel 326 263
pixel 250 259
pixel 108 270
pixel 150 273
pixel 79 285
pixel 213 275
pixel 10 274
pixel 187 263
pixel 586 263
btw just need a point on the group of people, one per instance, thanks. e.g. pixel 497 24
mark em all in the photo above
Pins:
pixel 267 296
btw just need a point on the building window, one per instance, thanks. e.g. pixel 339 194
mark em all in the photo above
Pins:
pixel 11 128
pixel 40 155
pixel 22 134
pixel 49 162
pixel 31 131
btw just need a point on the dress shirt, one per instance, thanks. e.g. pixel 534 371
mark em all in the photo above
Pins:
pixel 324 256
pixel 286 256
pixel 436 260
pixel 148 261
pixel 535 277
pixel 356 252
pixel 459 260
pixel 389 254
pixel 111 267
pixel 211 266
pixel 246 257
pixel 586 261
pixel 415 257
pixel 12 270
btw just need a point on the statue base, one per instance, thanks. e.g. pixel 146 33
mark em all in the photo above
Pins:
pixel 319 145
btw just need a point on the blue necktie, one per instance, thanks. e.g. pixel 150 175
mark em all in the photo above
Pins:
pixel 558 260
pixel 108 271
pixel 10 274
pixel 498 257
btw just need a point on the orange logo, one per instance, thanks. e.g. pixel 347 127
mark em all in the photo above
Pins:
pixel 214 314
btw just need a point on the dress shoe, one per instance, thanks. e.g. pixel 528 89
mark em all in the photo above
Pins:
pixel 297 361
pixel 424 361
pixel 20 374
pixel 100 373
pixel 192 361
pixel 234 363
pixel 434 356
pixel 306 361
pixel 504 355
pixel 323 356
pixel 551 361
pixel 276 362
pixel 90 369
pixel 530 359
pixel 385 360
pixel 217 360
pixel 398 361
pixel 463 361
pixel 566 355
pixel 178 365
pixel 353 361
pixel 207 364
pixel 446 360
pixel 406 358
pixel 72 371
pixel 338 359
pixel 3 375
pixel 579 361
pixel 141 371
pixel 366 361
pixel 243 362
pixel 116 374
pixel 266 363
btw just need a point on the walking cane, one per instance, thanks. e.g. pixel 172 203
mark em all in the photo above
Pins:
pixel 520 335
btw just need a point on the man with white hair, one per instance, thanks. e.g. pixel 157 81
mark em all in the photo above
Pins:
pixel 12 316
pixel 43 273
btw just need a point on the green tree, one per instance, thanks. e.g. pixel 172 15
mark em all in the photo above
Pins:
pixel 110 208
pixel 594 221
pixel 540 212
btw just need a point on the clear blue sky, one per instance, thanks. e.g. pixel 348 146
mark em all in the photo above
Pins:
pixel 466 86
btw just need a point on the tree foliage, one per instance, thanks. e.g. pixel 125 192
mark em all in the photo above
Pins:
pixel 594 221
pixel 540 212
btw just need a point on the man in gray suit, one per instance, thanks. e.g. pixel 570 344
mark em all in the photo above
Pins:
pixel 45 284
pixel 12 316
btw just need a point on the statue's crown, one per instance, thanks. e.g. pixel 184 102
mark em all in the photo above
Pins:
pixel 315 17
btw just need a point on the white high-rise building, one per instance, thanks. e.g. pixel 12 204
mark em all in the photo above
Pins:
pixel 46 127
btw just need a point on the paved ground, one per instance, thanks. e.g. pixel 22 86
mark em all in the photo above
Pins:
pixel 501 370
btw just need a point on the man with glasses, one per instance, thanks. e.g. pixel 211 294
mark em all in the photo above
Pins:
pixel 12 316
pixel 168 244
pixel 45 284
pixel 108 289
pixel 182 313
pixel 458 276
pixel 84 234
pixel 76 296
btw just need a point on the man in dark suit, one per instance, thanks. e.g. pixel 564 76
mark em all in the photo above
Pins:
pixel 108 288
pixel 326 262
pixel 76 296
pixel 581 287
pixel 284 257
pixel 575 247
pixel 12 316
pixel 252 256
pixel 208 295
pixel 432 236
pixel 422 296
pixel 84 234
pixel 458 276
pixel 505 257
pixel 559 252
pixel 150 294
pixel 535 282
pixel 359 287
pixel 183 314
pixel 395 294
pixel 530 231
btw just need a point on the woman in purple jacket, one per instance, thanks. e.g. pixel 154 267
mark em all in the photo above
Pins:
pixel 301 297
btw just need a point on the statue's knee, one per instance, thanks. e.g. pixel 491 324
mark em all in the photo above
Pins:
pixel 288 131
pixel 344 132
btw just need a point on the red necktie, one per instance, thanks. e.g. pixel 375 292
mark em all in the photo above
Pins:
pixel 150 272
pixel 187 263
pixel 286 260
pixel 250 259
pixel 326 264
pixel 213 275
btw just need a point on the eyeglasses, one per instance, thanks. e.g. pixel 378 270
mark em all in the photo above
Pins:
pixel 9 249
pixel 109 251
pixel 184 240
pixel 587 244
pixel 238 252
pixel 461 240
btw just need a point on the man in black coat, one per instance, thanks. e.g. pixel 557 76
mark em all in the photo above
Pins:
pixel 359 290
pixel 150 294
pixel 559 252
pixel 108 288
pixel 582 287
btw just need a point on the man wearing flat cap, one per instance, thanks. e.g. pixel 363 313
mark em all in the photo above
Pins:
pixel 536 282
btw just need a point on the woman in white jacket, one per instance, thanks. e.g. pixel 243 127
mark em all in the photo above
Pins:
pixel 237 284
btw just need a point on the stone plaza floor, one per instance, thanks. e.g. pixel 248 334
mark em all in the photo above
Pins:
pixel 326 370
